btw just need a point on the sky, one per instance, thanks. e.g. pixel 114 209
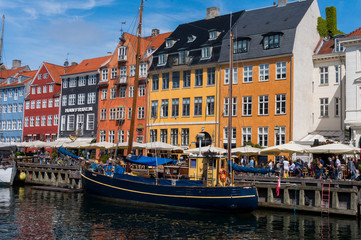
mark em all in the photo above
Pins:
pixel 55 30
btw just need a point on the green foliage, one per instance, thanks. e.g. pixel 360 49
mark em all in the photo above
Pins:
pixel 322 27
pixel 54 155
pixel 93 141
pixel 19 154
pixel 331 19
pixel 104 158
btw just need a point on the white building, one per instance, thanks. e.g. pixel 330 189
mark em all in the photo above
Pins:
pixel 352 43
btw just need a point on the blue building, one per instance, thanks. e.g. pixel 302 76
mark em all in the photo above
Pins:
pixel 13 91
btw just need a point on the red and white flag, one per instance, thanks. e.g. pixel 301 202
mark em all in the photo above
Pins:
pixel 278 186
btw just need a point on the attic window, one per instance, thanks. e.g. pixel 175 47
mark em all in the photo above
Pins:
pixel 240 45
pixel 191 38
pixel 161 59
pixel 213 35
pixel 338 46
pixel 271 41
pixel 206 52
pixel 169 43
pixel 122 53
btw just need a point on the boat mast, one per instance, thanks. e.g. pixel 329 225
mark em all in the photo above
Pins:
pixel 230 99
pixel 1 41
pixel 135 91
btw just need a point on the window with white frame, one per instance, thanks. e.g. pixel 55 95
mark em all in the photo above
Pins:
pixel 155 82
pixel 174 136
pixel 63 123
pixel 324 107
pixel 5 108
pixel 280 136
pixel 263 105
pixel 104 74
pixel 8 125
pixel 113 93
pixel 10 93
pixel 281 70
pixel 122 53
pixel 72 98
pixel 122 91
pixel 56 102
pixel 21 92
pixel 120 114
pixel 82 81
pixel 38 104
pixel 154 109
pixel 40 76
pixel 104 95
pixel 91 98
pixel 64 100
pixel 114 73
pixel 198 81
pixel 280 104
pixel 185 137
pixel 45 89
pixel 20 107
pixel 16 94
pixel 112 113
pixel 164 108
pixel 234 106
pixel 164 135
pixel 337 74
pixel 72 82
pixel 226 106
pixel 50 120
pixel 246 135
pixel 81 98
pixel 102 135
pixel 31 121
pixel 247 106
pixel 153 135
pixel 92 80
pixel 33 90
pixel 27 105
pixel 141 112
pixel 3 125
pixel 263 72
pixel 131 91
pixel 14 126
pixel 233 137
pixel 70 123
pixel 141 90
pixel 210 106
pixel 248 74
pixel 45 103
pixel 129 113
pixel 121 136
pixel 43 120
pixel 37 121
pixel 90 121
pixel 161 59
pixel 65 83
pixel 186 107
pixel 26 122
pixel 143 70
pixel 198 106
pixel 103 114
pixel 50 103
pixel 56 120
pixel 15 108
pixel 123 72
pixel 271 41
pixel 263 136
pixel 323 75
pixel 132 70
pixel 186 79
pixel 181 57
pixel 10 108
pixel 240 46
pixel 51 88
pixel 206 52
pixel 337 107
pixel 80 123
pixel 211 76
pixel 175 80
pixel 38 91
pixel 234 78
pixel 111 136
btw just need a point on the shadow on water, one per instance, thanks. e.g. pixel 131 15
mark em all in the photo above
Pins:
pixel 26 213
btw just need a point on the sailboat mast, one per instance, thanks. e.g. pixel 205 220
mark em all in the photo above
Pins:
pixel 136 83
pixel 2 37
pixel 230 95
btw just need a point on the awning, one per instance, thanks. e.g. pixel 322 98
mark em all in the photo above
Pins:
pixel 322 136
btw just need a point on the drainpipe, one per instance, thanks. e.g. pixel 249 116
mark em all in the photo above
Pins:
pixel 291 100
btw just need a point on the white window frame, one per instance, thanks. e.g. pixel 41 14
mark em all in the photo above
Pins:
pixel 281 70
pixel 263 136
pixel 264 72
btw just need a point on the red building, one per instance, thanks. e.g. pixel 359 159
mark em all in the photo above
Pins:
pixel 41 114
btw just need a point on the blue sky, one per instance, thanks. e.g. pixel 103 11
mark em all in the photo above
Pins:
pixel 38 30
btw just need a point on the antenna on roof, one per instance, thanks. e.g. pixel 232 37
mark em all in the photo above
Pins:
pixel 121 31
pixel 66 63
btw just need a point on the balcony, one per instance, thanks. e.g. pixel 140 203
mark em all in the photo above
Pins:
pixel 122 58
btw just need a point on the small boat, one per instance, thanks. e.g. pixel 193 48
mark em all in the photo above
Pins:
pixel 7 174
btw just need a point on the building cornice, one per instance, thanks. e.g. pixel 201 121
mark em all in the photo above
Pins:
pixel 329 56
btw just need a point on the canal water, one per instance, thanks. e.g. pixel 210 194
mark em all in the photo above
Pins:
pixel 26 213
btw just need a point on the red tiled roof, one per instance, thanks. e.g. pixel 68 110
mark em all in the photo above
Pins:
pixel 159 39
pixel 327 47
pixel 11 72
pixel 30 74
pixel 355 33
pixel 56 71
pixel 88 65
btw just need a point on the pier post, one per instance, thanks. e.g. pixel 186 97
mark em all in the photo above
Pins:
pixel 286 196
pixel 269 195
pixel 301 197
pixel 335 200
pixel 353 205
pixel 317 199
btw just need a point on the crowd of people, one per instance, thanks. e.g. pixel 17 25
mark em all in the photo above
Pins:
pixel 331 168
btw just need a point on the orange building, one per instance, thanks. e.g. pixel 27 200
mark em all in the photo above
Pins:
pixel 116 89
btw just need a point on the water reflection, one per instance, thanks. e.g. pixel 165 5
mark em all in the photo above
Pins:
pixel 27 213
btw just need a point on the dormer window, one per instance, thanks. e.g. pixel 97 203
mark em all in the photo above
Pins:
pixel 122 53
pixel 213 34
pixel 161 59
pixel 240 46
pixel 206 52
pixel 271 41
pixel 39 76
pixel 191 38
pixel 182 57
pixel 169 43
pixel 338 46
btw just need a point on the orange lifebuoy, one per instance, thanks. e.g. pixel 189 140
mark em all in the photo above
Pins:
pixel 223 174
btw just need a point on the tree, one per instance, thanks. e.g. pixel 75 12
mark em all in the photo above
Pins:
pixel 328 27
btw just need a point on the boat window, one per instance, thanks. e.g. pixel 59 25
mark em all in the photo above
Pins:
pixel 193 163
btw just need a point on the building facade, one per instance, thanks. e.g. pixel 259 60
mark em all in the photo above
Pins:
pixel 79 95
pixel 116 89
pixel 41 116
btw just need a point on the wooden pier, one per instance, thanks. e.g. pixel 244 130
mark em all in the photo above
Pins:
pixel 308 195
pixel 51 175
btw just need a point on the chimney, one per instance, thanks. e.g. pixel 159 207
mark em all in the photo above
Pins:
pixel 74 63
pixel 282 3
pixel 212 12
pixel 16 64
pixel 109 53
pixel 155 32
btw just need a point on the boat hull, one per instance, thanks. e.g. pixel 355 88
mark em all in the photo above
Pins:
pixel 243 199
pixel 7 175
